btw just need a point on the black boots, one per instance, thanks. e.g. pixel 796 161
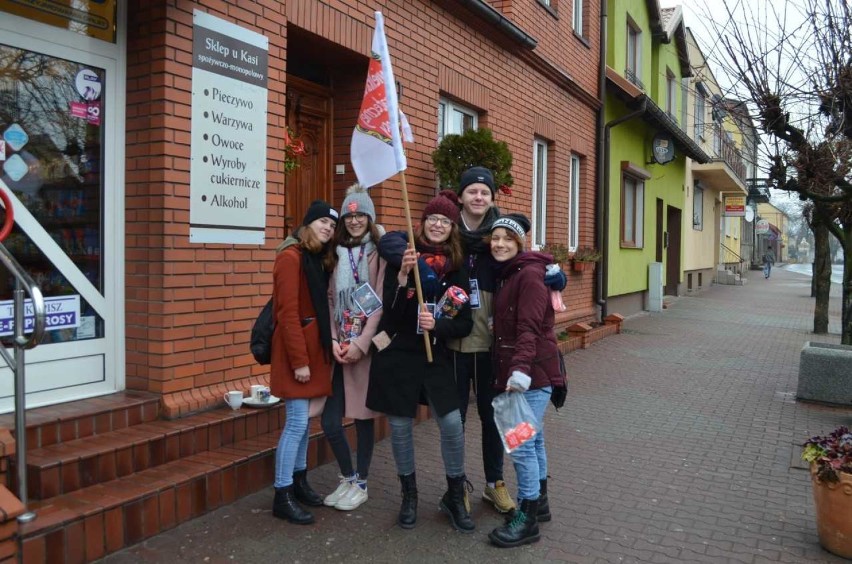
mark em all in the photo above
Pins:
pixel 408 509
pixel 522 529
pixel 453 504
pixel 303 491
pixel 543 503
pixel 286 507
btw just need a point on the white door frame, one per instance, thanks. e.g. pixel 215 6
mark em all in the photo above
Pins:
pixel 107 354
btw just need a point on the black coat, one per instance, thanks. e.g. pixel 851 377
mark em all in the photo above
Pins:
pixel 399 374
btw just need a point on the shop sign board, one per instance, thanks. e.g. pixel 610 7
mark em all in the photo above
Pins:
pixel 229 117
pixel 60 312
pixel 735 206
pixel 95 18
pixel 761 227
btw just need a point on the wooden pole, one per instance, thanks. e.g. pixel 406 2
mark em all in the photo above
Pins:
pixel 416 270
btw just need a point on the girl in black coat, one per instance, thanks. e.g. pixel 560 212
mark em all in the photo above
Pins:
pixel 400 376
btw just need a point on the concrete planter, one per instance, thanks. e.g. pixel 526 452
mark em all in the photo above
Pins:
pixel 825 373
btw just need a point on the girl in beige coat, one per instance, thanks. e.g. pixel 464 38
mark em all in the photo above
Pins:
pixel 359 271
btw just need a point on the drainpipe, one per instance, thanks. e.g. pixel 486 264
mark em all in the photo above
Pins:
pixel 599 197
pixel 603 228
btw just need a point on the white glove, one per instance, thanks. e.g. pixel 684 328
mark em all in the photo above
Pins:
pixel 519 382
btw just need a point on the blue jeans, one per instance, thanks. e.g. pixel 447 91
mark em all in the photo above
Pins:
pixel 530 458
pixel 292 452
pixel 452 443
pixel 767 269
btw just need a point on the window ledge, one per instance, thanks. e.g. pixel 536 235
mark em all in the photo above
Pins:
pixel 549 9
pixel 583 40
pixel 629 245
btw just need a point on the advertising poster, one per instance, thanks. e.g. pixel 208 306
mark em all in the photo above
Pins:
pixel 228 154
pixel 60 312
pixel 735 206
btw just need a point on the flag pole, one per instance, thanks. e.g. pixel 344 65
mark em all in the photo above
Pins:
pixel 416 270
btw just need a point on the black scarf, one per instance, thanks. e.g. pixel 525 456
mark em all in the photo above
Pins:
pixel 318 286
pixel 473 241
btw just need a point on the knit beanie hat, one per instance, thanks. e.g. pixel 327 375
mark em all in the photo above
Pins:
pixel 515 222
pixel 445 203
pixel 476 174
pixel 358 201
pixel 319 209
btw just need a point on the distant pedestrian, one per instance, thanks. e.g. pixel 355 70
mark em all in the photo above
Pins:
pixel 401 377
pixel 301 352
pixel 768 261
pixel 359 271
pixel 526 361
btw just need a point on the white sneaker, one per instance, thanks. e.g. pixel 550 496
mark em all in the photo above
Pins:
pixel 352 499
pixel 342 489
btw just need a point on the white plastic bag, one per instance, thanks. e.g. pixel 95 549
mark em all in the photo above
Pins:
pixel 515 419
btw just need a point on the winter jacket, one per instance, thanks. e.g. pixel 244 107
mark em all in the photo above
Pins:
pixel 356 377
pixel 400 374
pixel 524 338
pixel 296 341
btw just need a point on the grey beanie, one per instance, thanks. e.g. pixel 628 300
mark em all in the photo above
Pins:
pixel 358 201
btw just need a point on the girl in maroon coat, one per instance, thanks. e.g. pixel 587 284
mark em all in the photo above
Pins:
pixel 526 361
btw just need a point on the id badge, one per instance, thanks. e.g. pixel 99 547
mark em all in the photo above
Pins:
pixel 474 293
pixel 366 299
pixel 431 308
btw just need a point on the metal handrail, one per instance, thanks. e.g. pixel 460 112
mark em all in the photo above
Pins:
pixel 23 283
pixel 738 269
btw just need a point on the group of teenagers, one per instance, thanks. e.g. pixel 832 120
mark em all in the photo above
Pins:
pixel 332 356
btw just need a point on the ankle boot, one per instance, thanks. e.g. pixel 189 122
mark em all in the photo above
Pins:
pixel 453 504
pixel 408 509
pixel 286 507
pixel 522 529
pixel 543 503
pixel 303 491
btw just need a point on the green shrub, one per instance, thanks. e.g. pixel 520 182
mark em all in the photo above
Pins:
pixel 474 147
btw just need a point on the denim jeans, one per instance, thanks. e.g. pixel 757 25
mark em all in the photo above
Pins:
pixel 452 443
pixel 767 269
pixel 292 452
pixel 530 458
pixel 477 367
pixel 332 426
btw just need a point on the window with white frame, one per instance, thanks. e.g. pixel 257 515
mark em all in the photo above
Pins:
pixel 578 17
pixel 633 70
pixel 453 118
pixel 632 211
pixel 671 95
pixel 574 205
pixel 539 193
pixel 700 111
pixel 698 208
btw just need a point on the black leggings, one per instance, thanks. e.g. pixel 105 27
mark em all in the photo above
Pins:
pixel 332 426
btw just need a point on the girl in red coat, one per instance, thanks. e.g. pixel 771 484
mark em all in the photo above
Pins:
pixel 301 351
pixel 526 361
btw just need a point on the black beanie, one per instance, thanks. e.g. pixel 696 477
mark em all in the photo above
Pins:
pixel 476 174
pixel 516 222
pixel 317 210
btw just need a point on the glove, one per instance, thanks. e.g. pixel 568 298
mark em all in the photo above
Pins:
pixel 428 278
pixel 519 381
pixel 554 278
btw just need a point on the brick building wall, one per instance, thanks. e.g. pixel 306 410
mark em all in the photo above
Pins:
pixel 190 307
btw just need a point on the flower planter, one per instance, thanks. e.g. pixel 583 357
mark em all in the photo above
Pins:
pixel 581 266
pixel 833 502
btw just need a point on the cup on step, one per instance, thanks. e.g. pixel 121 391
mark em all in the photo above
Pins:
pixel 260 393
pixel 234 399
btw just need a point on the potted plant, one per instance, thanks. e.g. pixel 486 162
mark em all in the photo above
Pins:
pixel 830 458
pixel 584 258
pixel 559 252
pixel 474 147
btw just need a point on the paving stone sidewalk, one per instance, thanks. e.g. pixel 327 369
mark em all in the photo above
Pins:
pixel 678 443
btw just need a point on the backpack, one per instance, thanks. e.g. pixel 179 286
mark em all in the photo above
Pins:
pixel 261 335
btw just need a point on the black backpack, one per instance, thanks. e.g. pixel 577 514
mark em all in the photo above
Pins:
pixel 261 335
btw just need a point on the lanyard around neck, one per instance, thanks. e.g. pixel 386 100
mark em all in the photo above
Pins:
pixel 354 265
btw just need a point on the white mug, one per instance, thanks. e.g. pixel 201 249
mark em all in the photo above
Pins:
pixel 234 399
pixel 256 392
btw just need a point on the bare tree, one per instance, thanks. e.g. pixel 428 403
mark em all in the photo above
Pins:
pixel 798 80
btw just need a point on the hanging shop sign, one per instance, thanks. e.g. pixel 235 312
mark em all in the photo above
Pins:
pixel 228 154
pixel 735 206
pixel 662 148
pixel 761 227
pixel 95 18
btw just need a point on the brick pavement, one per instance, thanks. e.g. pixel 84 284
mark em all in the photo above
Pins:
pixel 678 443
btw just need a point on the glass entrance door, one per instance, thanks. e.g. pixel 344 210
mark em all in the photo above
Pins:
pixel 57 164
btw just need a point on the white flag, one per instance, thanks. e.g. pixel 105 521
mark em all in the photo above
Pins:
pixel 376 144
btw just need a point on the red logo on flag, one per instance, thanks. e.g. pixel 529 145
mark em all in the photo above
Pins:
pixel 374 118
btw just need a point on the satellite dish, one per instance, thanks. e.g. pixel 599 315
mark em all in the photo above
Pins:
pixel 749 214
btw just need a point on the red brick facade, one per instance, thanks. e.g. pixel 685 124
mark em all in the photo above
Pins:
pixel 189 307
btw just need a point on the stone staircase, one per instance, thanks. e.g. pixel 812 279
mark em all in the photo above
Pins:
pixel 106 473
pixel 730 278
